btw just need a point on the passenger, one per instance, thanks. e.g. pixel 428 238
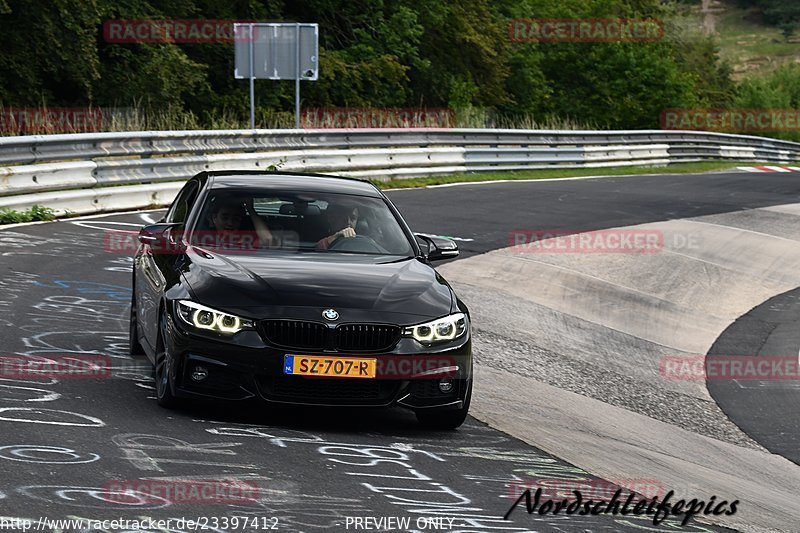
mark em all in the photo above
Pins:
pixel 227 218
pixel 342 217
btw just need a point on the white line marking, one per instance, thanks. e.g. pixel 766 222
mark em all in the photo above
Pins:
pixel 534 180
pixel 100 224
pixel 115 214
pixel 7 414
pixel 85 217
pixel 453 238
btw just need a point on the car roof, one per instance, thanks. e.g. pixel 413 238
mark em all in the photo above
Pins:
pixel 290 181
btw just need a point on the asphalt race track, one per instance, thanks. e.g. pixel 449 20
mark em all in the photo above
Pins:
pixel 766 410
pixel 549 366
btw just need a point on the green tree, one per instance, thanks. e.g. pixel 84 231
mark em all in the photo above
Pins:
pixel 464 43
pixel 618 84
pixel 779 90
pixel 387 53
pixel 784 14
pixel 49 51
pixel 366 51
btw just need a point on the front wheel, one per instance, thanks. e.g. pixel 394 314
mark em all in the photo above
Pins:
pixel 445 418
pixel 164 368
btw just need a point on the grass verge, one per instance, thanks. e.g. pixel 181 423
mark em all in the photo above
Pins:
pixel 753 48
pixel 554 173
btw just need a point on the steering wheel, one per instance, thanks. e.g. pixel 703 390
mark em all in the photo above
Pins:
pixel 358 243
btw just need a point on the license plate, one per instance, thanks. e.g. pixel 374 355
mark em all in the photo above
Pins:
pixel 336 367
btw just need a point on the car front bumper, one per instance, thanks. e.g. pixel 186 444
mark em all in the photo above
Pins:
pixel 249 368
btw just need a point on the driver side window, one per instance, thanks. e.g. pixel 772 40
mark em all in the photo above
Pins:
pixel 183 203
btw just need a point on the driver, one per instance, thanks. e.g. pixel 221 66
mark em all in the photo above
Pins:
pixel 345 219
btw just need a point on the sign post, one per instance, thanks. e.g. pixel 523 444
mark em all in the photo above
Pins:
pixel 252 80
pixel 276 51
pixel 297 77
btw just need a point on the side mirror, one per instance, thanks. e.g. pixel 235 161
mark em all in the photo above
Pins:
pixel 158 237
pixel 439 248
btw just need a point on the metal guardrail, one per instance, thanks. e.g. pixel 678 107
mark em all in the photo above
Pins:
pixel 67 172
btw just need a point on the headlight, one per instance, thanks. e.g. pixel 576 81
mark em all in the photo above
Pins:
pixel 205 318
pixel 442 329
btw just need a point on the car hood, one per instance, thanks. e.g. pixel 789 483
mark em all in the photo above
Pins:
pixel 268 284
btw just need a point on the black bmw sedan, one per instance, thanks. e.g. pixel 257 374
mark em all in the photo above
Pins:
pixel 299 289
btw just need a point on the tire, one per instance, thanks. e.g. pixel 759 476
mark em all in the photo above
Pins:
pixel 134 347
pixel 163 368
pixel 445 419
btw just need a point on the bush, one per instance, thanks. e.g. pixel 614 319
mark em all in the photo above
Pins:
pixel 35 213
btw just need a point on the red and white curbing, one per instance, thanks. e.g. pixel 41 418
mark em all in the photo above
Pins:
pixel 770 169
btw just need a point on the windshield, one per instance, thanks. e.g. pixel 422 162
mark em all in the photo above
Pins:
pixel 301 222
